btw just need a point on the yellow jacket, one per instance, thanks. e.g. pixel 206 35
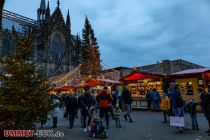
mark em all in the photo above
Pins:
pixel 165 103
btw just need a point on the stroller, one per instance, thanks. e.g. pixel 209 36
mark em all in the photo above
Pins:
pixel 97 129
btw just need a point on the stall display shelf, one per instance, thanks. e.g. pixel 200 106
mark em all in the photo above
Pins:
pixel 140 89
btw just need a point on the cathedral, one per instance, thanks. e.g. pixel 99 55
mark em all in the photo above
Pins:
pixel 56 50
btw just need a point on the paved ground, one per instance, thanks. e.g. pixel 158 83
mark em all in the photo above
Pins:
pixel 147 126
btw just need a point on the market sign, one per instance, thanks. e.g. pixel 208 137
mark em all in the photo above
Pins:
pixel 139 76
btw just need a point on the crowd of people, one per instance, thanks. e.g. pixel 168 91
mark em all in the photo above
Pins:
pixel 97 111
pixel 172 104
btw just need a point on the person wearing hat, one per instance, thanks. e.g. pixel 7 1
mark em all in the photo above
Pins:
pixel 117 112
pixel 55 111
pixel 165 106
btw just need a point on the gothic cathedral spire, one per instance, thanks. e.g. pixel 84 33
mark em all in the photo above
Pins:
pixel 68 24
pixel 47 15
pixel 58 3
pixel 43 5
pixel 41 11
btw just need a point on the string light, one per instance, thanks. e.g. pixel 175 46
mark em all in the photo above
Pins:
pixel 64 77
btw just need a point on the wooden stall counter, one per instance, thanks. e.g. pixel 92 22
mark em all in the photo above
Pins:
pixel 139 103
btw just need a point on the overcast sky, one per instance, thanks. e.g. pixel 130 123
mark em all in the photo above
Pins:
pixel 138 32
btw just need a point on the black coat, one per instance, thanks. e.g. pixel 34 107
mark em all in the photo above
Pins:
pixel 127 97
pixel 87 101
pixel 71 105
pixel 115 98
pixel 206 105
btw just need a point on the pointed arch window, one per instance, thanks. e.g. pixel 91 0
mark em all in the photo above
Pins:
pixel 7 45
pixel 57 48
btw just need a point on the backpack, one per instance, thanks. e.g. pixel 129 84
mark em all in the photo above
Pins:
pixel 104 99
pixel 179 101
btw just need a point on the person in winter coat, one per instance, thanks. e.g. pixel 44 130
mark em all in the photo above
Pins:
pixel 201 95
pixel 177 104
pixel 165 106
pixel 127 99
pixel 87 101
pixel 155 100
pixel 80 106
pixel 176 99
pixel 117 112
pixel 148 97
pixel 115 97
pixel 71 107
pixel 55 111
pixel 95 121
pixel 206 106
pixel 191 106
pixel 104 98
pixel 77 102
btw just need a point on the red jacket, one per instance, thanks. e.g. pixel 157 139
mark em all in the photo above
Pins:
pixel 104 98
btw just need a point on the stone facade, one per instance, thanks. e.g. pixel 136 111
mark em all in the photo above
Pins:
pixel 56 49
pixel 116 73
pixel 168 67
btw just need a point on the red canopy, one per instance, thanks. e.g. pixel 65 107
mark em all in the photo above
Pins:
pixel 206 76
pixel 66 88
pixel 139 76
pixel 90 83
pixel 94 82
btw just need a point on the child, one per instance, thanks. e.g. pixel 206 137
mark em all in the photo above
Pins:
pixel 94 119
pixel 165 106
pixel 191 106
pixel 96 128
pixel 55 111
pixel 117 112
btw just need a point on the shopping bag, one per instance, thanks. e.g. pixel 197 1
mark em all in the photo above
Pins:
pixel 177 121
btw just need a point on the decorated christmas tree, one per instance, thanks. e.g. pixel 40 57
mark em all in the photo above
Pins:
pixel 23 90
pixel 90 51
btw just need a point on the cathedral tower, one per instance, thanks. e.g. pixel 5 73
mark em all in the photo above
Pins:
pixel 41 12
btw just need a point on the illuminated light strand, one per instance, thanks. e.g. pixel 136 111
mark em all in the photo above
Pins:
pixel 64 76
pixel 67 75
pixel 111 68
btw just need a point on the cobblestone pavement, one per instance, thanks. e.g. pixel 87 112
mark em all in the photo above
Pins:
pixel 146 126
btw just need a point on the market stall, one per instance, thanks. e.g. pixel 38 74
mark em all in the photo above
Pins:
pixel 62 90
pixel 190 80
pixel 67 89
pixel 96 85
pixel 139 83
